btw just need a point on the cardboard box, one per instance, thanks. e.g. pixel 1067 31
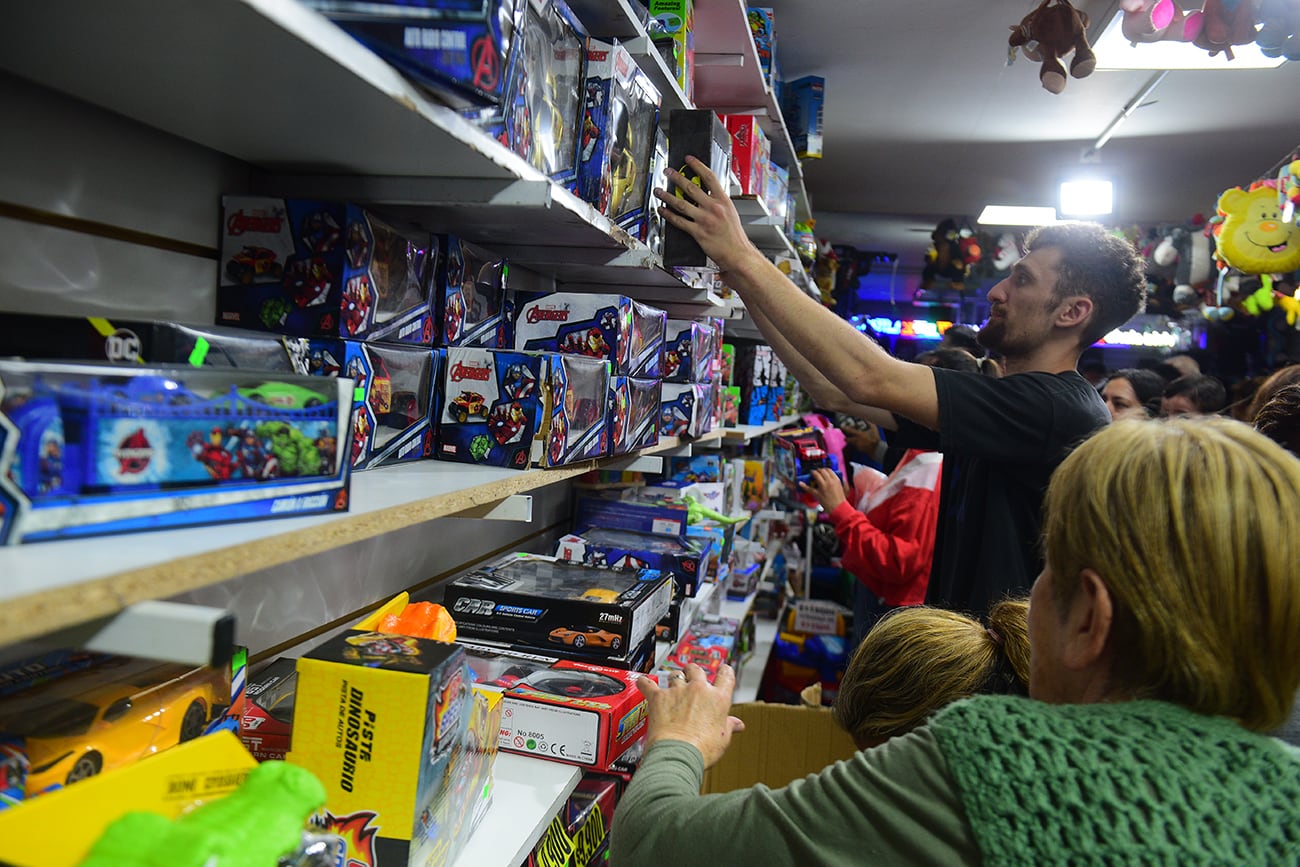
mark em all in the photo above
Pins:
pixel 633 413
pixel 672 27
pixel 471 296
pixel 266 727
pixel 688 351
pixel 750 153
pixel 697 133
pixel 780 744
pixel 662 517
pixel 802 104
pixel 685 409
pixel 578 836
pixel 626 332
pixel 490 406
pixel 682 558
pixel 574 427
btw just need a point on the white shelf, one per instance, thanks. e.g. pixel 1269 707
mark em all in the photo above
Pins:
pixel 764 230
pixel 526 795
pixel 743 433
pixel 751 672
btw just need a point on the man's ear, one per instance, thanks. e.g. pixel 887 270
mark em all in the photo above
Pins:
pixel 1088 623
pixel 1074 310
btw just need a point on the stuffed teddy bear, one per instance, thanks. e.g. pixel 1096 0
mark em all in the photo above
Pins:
pixel 1226 23
pixel 1049 33
pixel 1279 28
pixel 1158 20
pixel 1253 237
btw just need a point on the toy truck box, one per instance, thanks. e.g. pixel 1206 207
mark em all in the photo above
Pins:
pixel 697 133
pixel 796 453
pixel 381 720
pixel 672 27
pixel 627 333
pixel 471 295
pixel 92 449
pixel 633 414
pixel 802 103
pixel 394 398
pixel 565 711
pixel 688 351
pixel 685 409
pixel 266 727
pixel 682 558
pixel 574 426
pixel 323 269
pixel 490 406
pixel 619 122
pixel 539 602
pixel 579 833
pixel 696 468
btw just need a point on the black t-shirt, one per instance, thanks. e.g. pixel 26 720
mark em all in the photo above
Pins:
pixel 1001 440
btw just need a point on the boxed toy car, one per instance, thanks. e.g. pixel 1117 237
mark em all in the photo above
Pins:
pixel 323 269
pixel 490 406
pixel 696 468
pixel 697 133
pixel 382 720
pixel 802 104
pixel 544 603
pixel 579 833
pixel 471 293
pixel 641 658
pixel 394 396
pixel 681 557
pixel 574 427
pixel 750 153
pixel 633 414
pixel 710 643
pixel 660 517
pixel 684 409
pixel 573 712
pixel 796 453
pixel 266 727
pixel 628 333
pixel 672 27
pixel 619 122
pixel 459 50
pixel 688 351
pixel 93 449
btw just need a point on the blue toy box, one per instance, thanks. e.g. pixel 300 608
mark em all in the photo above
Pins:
pixel 663 518
pixel 633 414
pixel 802 109
pixel 490 406
pixel 87 450
pixel 697 468
pixel 628 333
pixel 578 396
pixel 471 295
pixel 683 558
pixel 685 409
pixel 323 269
pixel 688 351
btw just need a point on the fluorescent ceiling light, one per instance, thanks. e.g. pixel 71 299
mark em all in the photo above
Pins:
pixel 1016 215
pixel 1087 198
pixel 1114 51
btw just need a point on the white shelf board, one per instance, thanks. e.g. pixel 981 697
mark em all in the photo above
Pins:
pixel 765 231
pixel 736 608
pixel 526 794
pixel 743 433
pixel 728 78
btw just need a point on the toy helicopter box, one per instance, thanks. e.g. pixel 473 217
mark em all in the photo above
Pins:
pixel 543 603
pixel 697 133
pixel 92 449
pixel 628 333
pixel 394 397
pixel 574 427
pixel 381 721
pixel 471 295
pixel 562 710
pixel 490 406
pixel 688 351
pixel 323 269
pixel 619 122
pixel 684 409
pixel 633 414
pixel 682 558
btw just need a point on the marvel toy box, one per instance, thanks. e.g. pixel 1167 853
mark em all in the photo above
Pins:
pixel 688 351
pixel 633 414
pixel 653 231
pixel 682 558
pixel 619 122
pixel 87 450
pixel 490 406
pixel 544 603
pixel 579 833
pixel 627 333
pixel 684 409
pixel 471 295
pixel 381 720
pixel 575 426
pixel 394 396
pixel 323 269
pixel 565 711
pixel 697 133
pixel 266 726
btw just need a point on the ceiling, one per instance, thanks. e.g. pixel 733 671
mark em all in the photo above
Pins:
pixel 924 120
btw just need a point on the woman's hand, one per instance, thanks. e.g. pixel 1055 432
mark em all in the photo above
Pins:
pixel 693 710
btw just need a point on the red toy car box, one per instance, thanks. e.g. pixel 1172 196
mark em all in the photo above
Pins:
pixel 266 727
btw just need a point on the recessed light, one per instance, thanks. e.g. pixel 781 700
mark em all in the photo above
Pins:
pixel 1087 198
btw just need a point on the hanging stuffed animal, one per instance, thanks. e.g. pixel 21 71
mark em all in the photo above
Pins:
pixel 1049 33
pixel 1226 23
pixel 944 258
pixel 1158 20
pixel 1279 29
pixel 1006 253
pixel 1253 237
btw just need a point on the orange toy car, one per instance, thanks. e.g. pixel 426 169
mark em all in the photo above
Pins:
pixel 580 637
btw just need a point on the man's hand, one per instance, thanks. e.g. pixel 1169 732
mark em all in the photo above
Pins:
pixel 863 440
pixel 826 486
pixel 706 213
pixel 693 710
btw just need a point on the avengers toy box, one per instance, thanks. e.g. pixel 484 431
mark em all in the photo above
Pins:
pixel 653 225
pixel 87 450
pixel 543 603
pixel 633 414
pixel 394 396
pixel 628 333
pixel 697 133
pixel 266 728
pixel 381 720
pixel 578 397
pixel 672 27
pixel 796 453
pixel 323 269
pixel 688 351
pixel 680 557
pixel 490 406
pixel 619 122
pixel 684 409
pixel 472 296
pixel 579 833
pixel 565 711
pixel 457 49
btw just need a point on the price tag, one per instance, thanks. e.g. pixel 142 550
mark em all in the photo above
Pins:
pixel 817 617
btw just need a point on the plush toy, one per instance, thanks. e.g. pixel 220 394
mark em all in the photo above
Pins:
pixel 1253 237
pixel 1226 23
pixel 944 257
pixel 1289 187
pixel 1279 28
pixel 1006 253
pixel 1158 20
pixel 1049 33
pixel 1291 305
pixel 1261 300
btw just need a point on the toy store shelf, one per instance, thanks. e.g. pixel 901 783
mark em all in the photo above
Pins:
pixel 728 78
pixel 767 232
pixel 783 154
pixel 616 19
pixel 743 433
pixel 750 675
pixel 671 95
pixel 526 795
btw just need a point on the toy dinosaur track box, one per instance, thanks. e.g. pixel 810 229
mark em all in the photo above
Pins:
pixel 87 450
pixel 323 269
pixel 627 333
pixel 491 406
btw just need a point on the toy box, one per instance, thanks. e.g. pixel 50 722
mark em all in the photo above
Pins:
pixel 653 232
pixel 682 558
pixel 660 517
pixel 540 602
pixel 579 834
pixel 633 414
pixel 574 427
pixel 472 296
pixel 796 453
pixel 750 153
pixel 697 133
pixel 801 107
pixel 87 450
pixel 619 122
pixel 710 643
pixel 754 484
pixel 707 494
pixel 394 397
pixel 684 409
pixel 628 333
pixel 697 468
pixel 490 406
pixel 672 27
pixel 323 269
pixel 762 25
pixel 458 50
pixel 565 711
pixel 782 743
pixel 266 727
pixel 776 193
pixel 761 378
pixel 688 351
pixel 382 720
